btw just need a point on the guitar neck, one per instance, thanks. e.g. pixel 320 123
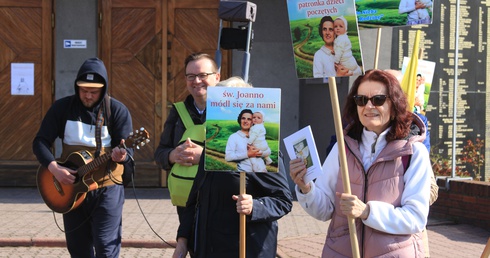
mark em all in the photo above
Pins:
pixel 94 164
pixel 138 139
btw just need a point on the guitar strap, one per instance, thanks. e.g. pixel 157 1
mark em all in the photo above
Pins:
pixel 98 128
pixel 104 110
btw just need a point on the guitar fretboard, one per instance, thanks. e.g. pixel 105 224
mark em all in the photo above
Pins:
pixel 137 139
pixel 94 164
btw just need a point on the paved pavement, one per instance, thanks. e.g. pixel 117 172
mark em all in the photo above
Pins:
pixel 28 229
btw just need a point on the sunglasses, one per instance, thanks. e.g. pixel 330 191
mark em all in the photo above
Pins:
pixel 376 100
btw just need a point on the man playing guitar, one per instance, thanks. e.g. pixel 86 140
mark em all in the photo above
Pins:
pixel 90 125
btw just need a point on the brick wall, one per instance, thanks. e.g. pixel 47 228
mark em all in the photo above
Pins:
pixel 464 201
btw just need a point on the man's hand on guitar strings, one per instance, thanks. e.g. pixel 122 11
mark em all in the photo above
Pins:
pixel 64 175
pixel 119 154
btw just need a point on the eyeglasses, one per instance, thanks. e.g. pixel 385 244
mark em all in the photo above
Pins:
pixel 202 76
pixel 377 100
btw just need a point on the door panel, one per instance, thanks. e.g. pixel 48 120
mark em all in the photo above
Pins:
pixel 25 37
pixel 145 78
pixel 193 27
pixel 131 45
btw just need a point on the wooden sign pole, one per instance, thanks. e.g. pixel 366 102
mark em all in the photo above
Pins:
pixel 243 218
pixel 343 160
pixel 376 53
pixel 486 251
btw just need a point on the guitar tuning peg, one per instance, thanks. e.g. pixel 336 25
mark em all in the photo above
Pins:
pixel 147 140
pixel 137 147
pixel 131 134
pixel 142 129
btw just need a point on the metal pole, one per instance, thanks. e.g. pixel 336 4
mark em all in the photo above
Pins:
pixel 455 91
pixel 217 57
pixel 246 55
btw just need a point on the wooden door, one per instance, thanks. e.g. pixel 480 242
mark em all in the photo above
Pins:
pixel 193 26
pixel 145 78
pixel 131 46
pixel 25 37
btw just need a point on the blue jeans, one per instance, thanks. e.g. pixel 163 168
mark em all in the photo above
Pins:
pixel 94 229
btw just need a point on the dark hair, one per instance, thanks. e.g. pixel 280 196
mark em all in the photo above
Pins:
pixel 198 56
pixel 320 27
pixel 243 112
pixel 400 117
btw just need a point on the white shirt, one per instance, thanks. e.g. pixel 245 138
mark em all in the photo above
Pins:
pixel 408 6
pixel 236 150
pixel 410 218
pixel 323 63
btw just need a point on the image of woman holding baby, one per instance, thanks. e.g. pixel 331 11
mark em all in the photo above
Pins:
pixel 417 11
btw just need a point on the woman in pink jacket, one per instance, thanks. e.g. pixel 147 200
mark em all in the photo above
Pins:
pixel 389 171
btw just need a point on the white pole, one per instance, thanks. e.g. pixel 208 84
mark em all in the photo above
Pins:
pixel 455 90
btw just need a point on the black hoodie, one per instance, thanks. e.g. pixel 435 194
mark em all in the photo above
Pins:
pixel 75 124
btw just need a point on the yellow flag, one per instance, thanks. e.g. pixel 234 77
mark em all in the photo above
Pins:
pixel 410 76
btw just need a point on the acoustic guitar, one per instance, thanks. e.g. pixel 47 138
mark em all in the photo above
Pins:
pixel 63 198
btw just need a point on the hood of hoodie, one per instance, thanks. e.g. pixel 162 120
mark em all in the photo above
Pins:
pixel 92 66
